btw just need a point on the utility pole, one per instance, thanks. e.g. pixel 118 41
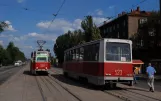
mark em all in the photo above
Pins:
pixel 160 9
pixel 160 15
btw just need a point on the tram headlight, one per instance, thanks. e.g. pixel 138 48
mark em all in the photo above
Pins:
pixel 107 74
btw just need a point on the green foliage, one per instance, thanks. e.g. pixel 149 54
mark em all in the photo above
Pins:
pixel 2 26
pixel 66 41
pixel 90 29
pixel 90 32
pixel 10 54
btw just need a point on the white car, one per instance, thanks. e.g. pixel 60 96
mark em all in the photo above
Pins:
pixel 17 64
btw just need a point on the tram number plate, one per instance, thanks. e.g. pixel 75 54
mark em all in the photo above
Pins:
pixel 118 72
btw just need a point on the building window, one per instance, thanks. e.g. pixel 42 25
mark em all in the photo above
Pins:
pixel 124 34
pixel 117 25
pixel 118 35
pixel 104 31
pixel 140 43
pixel 110 29
pixel 143 20
pixel 152 32
pixel 124 23
pixel 107 30
pixel 114 27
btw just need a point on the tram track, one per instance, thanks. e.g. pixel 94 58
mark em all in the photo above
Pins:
pixel 128 95
pixel 51 90
pixel 40 89
pixel 66 89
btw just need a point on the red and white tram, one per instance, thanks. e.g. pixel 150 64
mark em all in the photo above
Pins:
pixel 40 61
pixel 100 62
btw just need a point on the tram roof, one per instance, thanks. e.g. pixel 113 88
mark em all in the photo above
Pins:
pixel 96 41
pixel 137 62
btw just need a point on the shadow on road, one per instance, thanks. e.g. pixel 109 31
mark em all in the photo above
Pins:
pixel 86 85
pixel 75 82
pixel 27 72
pixel 81 83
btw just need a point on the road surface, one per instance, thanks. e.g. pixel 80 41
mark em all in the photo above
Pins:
pixel 7 72
pixel 55 87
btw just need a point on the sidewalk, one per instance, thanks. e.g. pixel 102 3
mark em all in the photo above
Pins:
pixel 144 76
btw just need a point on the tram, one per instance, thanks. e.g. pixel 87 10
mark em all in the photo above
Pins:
pixel 100 62
pixel 40 60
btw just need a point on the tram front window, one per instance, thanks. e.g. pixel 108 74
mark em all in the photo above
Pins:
pixel 41 59
pixel 118 52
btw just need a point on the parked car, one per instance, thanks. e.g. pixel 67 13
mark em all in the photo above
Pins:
pixel 17 64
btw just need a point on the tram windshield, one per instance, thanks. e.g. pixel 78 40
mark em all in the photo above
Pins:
pixel 41 59
pixel 118 52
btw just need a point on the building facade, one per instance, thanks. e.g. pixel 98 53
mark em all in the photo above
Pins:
pixel 125 26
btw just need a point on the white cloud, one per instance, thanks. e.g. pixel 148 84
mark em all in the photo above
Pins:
pixel 99 12
pixel 99 20
pixel 28 47
pixel 60 25
pixel 1 42
pixel 10 27
pixel 111 7
pixel 20 1
pixel 37 36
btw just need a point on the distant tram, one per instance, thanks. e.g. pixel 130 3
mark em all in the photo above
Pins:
pixel 101 62
pixel 40 61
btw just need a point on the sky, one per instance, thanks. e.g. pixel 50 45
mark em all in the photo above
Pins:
pixel 30 20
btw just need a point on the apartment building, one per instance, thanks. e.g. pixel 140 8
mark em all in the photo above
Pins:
pixel 125 25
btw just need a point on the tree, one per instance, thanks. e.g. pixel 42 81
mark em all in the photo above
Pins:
pixel 70 39
pixel 2 26
pixel 90 29
pixel 10 54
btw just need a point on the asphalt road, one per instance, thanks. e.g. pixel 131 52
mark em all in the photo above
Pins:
pixel 7 72
pixel 140 83
pixel 143 84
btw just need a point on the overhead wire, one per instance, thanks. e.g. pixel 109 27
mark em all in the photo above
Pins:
pixel 25 8
pixel 56 14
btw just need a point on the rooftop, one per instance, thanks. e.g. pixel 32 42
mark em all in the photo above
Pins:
pixel 136 12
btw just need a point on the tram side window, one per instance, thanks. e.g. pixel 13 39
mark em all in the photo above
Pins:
pixel 70 56
pixel 86 53
pixel 77 54
pixel 81 56
pixel 91 52
pixel 74 55
pixel 67 55
pixel 95 52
